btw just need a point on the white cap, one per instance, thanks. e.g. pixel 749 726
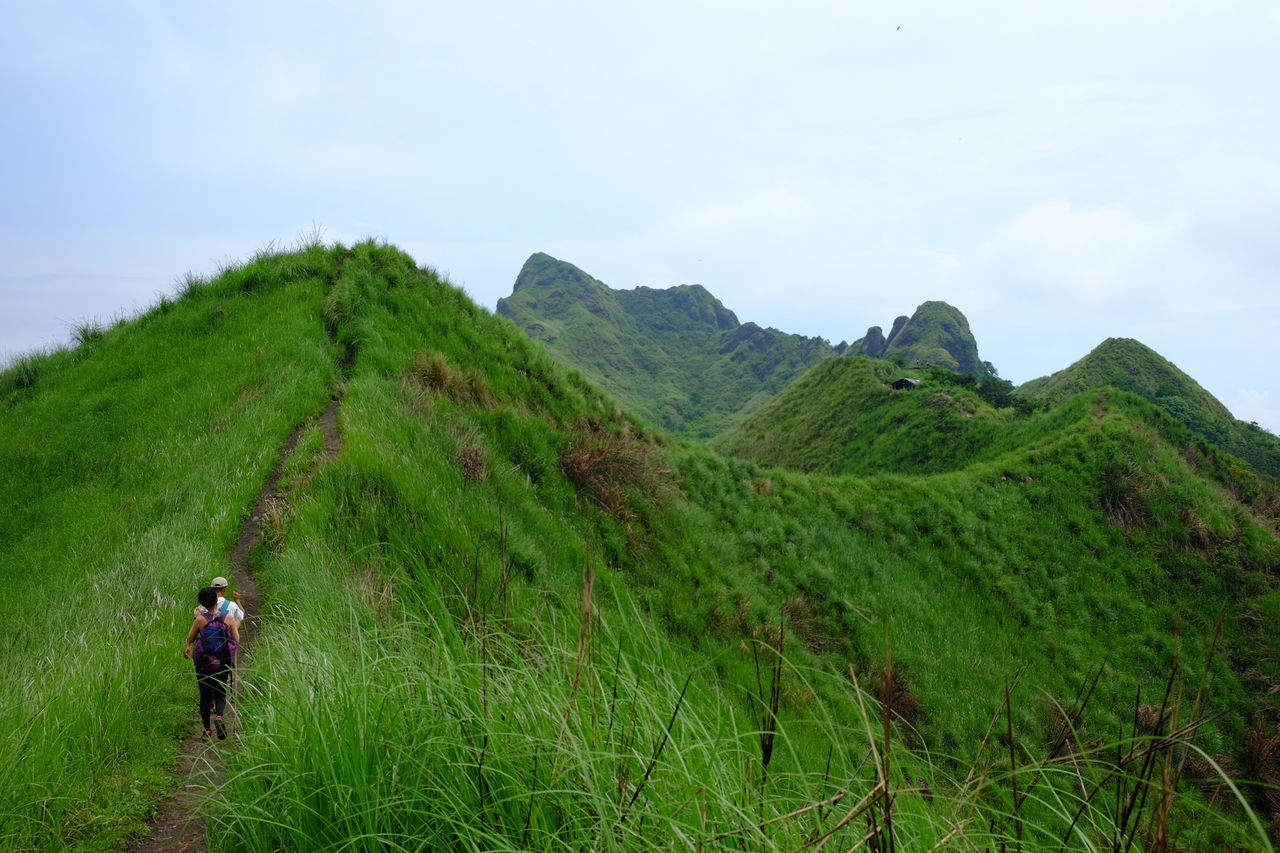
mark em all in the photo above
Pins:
pixel 218 583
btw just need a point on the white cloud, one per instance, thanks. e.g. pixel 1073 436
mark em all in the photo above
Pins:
pixel 771 212
pixel 1256 406
pixel 1059 172
pixel 1056 253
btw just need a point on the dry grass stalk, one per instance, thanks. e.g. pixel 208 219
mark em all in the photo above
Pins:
pixel 867 802
pixel 890 684
pixel 377 592
pixel 1262 764
pixel 1199 534
pixel 276 516
pixel 584 626
pixel 1148 717
pixel 804 624
pixel 827 803
pixel 769 719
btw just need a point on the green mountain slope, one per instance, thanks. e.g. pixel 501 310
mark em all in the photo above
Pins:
pixel 1127 364
pixel 509 616
pixel 682 360
pixel 843 417
pixel 676 356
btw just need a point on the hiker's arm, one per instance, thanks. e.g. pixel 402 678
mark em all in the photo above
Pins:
pixel 191 636
pixel 234 624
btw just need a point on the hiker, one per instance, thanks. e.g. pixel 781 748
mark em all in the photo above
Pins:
pixel 211 645
pixel 231 608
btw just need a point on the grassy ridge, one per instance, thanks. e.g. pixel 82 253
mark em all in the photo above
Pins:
pixel 1127 364
pixel 508 616
pixel 843 417
pixel 124 466
pixel 490 558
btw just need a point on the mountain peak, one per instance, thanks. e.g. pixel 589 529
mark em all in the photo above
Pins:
pixel 677 355
pixel 542 269
pixel 936 334
pixel 1131 365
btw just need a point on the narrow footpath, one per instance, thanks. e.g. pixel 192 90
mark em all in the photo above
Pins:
pixel 178 826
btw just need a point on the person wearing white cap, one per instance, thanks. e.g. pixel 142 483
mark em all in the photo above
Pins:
pixel 230 606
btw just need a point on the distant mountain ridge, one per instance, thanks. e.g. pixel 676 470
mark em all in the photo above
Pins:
pixel 676 355
pixel 683 360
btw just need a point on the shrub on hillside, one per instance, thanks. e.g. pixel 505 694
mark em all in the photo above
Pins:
pixel 472 459
pixel 1261 763
pixel 889 685
pixel 1122 492
pixel 22 373
pixel 87 332
pixel 606 466
pixel 433 372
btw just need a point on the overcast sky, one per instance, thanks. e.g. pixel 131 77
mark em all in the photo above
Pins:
pixel 1062 172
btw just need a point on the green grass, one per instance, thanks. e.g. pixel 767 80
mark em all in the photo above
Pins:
pixel 1129 365
pixel 723 557
pixel 126 466
pixel 843 417
pixel 472 641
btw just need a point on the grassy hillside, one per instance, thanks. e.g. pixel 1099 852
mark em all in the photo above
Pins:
pixel 125 466
pixel 1128 364
pixel 677 356
pixel 843 417
pixel 509 616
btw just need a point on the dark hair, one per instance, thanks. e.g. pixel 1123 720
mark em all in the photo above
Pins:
pixel 208 598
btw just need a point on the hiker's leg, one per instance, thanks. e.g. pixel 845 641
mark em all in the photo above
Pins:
pixel 219 684
pixel 206 699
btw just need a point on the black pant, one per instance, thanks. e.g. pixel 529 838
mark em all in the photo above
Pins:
pixel 213 692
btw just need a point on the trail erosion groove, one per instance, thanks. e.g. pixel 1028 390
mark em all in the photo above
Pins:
pixel 178 826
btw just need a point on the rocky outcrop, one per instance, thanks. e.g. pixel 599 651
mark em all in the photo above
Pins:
pixel 936 335
pixel 897 327
pixel 873 343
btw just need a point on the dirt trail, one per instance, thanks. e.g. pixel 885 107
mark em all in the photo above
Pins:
pixel 177 826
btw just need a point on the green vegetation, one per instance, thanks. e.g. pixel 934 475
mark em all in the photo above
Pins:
pixel 508 615
pixel 677 357
pixel 1127 364
pixel 125 466
pixel 680 359
pixel 936 335
pixel 844 417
